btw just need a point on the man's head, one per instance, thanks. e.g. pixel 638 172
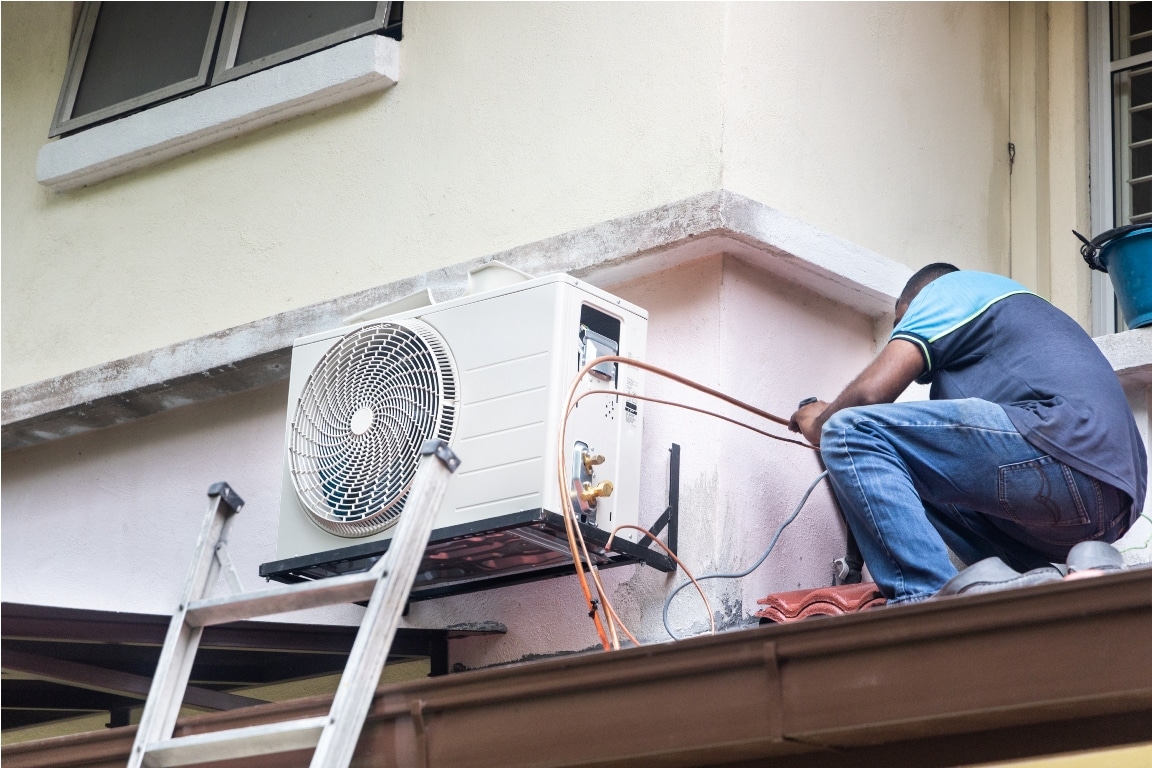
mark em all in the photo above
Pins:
pixel 917 282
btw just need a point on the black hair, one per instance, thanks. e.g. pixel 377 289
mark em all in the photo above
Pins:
pixel 922 277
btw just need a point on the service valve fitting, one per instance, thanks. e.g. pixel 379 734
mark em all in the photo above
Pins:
pixel 602 489
pixel 591 460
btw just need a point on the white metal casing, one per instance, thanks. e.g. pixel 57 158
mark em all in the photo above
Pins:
pixel 516 351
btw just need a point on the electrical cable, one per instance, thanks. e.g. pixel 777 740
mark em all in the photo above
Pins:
pixel 1147 541
pixel 576 544
pixel 613 618
pixel 677 560
pixel 609 609
pixel 578 548
pixel 754 566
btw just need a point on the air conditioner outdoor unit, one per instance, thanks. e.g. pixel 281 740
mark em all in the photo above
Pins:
pixel 488 373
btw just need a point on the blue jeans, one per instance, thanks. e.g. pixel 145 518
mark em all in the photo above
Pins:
pixel 915 479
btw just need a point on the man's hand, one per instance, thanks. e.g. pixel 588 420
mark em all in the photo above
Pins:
pixel 804 421
pixel 897 366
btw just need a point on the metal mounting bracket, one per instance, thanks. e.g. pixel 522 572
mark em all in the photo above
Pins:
pixel 671 514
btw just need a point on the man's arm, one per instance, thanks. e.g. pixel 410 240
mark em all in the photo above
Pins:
pixel 897 366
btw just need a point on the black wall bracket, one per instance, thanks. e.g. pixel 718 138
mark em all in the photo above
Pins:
pixel 671 516
pixel 540 523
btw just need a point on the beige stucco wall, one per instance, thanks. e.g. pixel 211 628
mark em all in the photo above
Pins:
pixel 1048 124
pixel 882 123
pixel 886 123
pixel 511 123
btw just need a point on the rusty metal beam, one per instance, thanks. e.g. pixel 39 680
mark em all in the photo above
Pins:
pixel 112 681
pixel 36 622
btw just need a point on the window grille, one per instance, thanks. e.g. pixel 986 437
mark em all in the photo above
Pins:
pixel 1132 110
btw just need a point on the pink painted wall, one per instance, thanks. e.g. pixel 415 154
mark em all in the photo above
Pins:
pixel 735 328
pixel 742 331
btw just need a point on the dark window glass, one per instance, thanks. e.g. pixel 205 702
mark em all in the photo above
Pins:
pixel 1142 162
pixel 395 19
pixel 138 48
pixel 1142 89
pixel 272 27
pixel 1143 45
pixel 1141 125
pixel 1139 18
pixel 1141 198
pixel 1139 23
pixel 126 56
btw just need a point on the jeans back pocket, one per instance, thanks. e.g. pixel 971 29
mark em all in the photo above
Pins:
pixel 1047 498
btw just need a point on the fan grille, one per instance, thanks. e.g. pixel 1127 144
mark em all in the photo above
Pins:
pixel 366 409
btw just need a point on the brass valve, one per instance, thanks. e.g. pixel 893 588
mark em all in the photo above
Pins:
pixel 601 489
pixel 592 460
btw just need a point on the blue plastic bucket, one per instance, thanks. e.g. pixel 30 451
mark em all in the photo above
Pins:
pixel 1128 259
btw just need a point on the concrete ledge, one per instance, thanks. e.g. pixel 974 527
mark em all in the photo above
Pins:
pixel 328 77
pixel 1130 353
pixel 258 353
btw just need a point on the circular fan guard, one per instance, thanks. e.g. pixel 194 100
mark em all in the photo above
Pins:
pixel 366 409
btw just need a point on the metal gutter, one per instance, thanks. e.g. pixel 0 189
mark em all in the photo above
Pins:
pixel 258 353
pixel 1036 671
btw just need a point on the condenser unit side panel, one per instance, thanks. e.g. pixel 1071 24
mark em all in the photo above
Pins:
pixel 598 420
pixel 627 449
pixel 504 353
pixel 559 378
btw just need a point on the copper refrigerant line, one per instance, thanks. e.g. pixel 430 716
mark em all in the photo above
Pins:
pixel 577 547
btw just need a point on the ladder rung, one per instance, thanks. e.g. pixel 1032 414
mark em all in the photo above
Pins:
pixel 237 743
pixel 280 599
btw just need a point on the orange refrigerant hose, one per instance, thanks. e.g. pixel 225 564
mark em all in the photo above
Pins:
pixel 576 544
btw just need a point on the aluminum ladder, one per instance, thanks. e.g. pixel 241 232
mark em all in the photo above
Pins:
pixel 386 587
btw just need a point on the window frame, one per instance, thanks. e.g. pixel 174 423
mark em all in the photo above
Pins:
pixel 225 68
pixel 1122 70
pixel 62 120
pixel 1110 205
pixel 344 72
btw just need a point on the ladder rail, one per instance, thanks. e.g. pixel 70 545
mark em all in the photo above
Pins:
pixel 387 586
pixel 165 695
pixel 365 664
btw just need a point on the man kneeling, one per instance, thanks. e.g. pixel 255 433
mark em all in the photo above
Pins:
pixel 1026 447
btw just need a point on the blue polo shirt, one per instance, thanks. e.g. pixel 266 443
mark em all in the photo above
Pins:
pixel 989 337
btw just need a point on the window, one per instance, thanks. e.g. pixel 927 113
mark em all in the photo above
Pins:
pixel 1131 66
pixel 128 56
pixel 264 34
pixel 1120 92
